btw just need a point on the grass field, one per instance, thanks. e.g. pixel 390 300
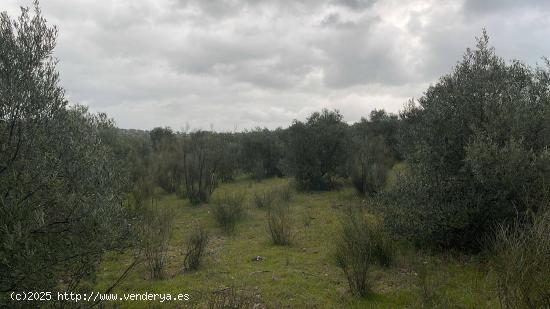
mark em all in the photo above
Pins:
pixel 303 275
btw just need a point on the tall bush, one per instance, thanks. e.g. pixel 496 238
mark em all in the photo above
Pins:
pixel 477 150
pixel 201 158
pixel 370 163
pixel 374 149
pixel 316 151
pixel 261 153
pixel 61 205
pixel 154 231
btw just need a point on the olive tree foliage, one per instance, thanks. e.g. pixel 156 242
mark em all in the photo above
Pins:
pixel 153 227
pixel 60 203
pixel 316 150
pixel 161 138
pixel 202 154
pixel 136 157
pixel 371 155
pixel 261 153
pixel 228 147
pixel 477 144
pixel 165 165
pixel 387 126
pixel 188 164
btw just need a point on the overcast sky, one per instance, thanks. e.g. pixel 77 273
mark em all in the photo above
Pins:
pixel 247 63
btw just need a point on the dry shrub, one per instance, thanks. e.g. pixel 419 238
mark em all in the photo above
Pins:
pixel 228 210
pixel 429 286
pixel 263 199
pixel 284 193
pixel 521 263
pixel 359 245
pixel 279 224
pixel 231 298
pixel 154 231
pixel 195 248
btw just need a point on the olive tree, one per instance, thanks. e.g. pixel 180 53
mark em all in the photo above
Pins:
pixel 261 153
pixel 371 157
pixel 228 149
pixel 201 160
pixel 316 150
pixel 60 201
pixel 477 144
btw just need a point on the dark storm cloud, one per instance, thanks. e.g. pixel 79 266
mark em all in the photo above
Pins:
pixel 247 63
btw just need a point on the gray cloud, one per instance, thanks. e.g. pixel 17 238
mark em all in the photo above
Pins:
pixel 361 53
pixel 355 4
pixel 247 63
pixel 497 6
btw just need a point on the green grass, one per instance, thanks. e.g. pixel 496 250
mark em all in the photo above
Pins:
pixel 303 275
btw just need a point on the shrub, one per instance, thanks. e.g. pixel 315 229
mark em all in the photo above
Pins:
pixel 426 289
pixel 279 223
pixel 154 235
pixel 263 199
pixel 477 148
pixel 201 158
pixel 161 138
pixel 383 247
pixel 165 165
pixel 521 262
pixel 429 287
pixel 261 153
pixel 358 246
pixel 353 256
pixel 230 298
pixel 284 193
pixel 228 149
pixel 228 210
pixel 370 160
pixel 195 248
pixel 316 150
pixel 61 187
pixel 142 191
pixel 369 179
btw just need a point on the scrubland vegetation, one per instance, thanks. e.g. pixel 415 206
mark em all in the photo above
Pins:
pixel 445 205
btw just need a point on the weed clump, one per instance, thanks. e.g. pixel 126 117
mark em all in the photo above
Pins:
pixel 154 234
pixel 228 210
pixel 231 298
pixel 429 286
pixel 263 199
pixel 284 194
pixel 358 246
pixel 521 263
pixel 195 248
pixel 279 224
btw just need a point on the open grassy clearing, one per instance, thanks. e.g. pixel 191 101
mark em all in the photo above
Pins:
pixel 303 275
